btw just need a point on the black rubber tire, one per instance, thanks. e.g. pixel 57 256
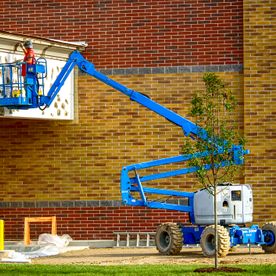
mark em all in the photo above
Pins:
pixel 271 227
pixel 207 241
pixel 169 239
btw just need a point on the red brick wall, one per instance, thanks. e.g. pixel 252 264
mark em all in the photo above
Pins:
pixel 136 33
pixel 46 160
pixel 90 223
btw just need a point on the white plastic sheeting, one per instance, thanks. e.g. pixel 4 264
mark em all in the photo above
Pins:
pixel 58 241
pixel 47 245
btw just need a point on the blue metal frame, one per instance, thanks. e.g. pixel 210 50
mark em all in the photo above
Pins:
pixel 238 235
pixel 22 92
pixel 246 235
pixel 192 233
pixel 9 85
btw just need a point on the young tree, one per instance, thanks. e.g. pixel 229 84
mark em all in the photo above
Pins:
pixel 213 110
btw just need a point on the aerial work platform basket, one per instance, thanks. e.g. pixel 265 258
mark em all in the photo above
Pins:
pixel 18 92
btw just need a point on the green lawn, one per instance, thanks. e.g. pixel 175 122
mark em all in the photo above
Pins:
pixel 143 270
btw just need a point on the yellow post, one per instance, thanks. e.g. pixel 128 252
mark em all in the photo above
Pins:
pixel 1 234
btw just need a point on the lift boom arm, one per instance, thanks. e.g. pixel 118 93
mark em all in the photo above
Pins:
pixel 130 185
pixel 76 59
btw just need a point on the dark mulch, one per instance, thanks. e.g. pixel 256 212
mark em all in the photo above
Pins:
pixel 220 269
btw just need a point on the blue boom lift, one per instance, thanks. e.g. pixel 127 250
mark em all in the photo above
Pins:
pixel 235 202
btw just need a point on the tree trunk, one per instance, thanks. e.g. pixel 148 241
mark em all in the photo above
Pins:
pixel 216 230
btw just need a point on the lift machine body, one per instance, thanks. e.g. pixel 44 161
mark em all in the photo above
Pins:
pixel 235 203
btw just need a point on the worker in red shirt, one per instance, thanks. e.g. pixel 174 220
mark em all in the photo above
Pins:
pixel 29 55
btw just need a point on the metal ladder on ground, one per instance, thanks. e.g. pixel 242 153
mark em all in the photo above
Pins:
pixel 137 236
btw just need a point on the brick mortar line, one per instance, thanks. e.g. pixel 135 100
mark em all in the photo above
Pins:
pixel 173 69
pixel 70 203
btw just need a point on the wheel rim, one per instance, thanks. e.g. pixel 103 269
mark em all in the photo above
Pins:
pixel 165 240
pixel 269 238
pixel 210 242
